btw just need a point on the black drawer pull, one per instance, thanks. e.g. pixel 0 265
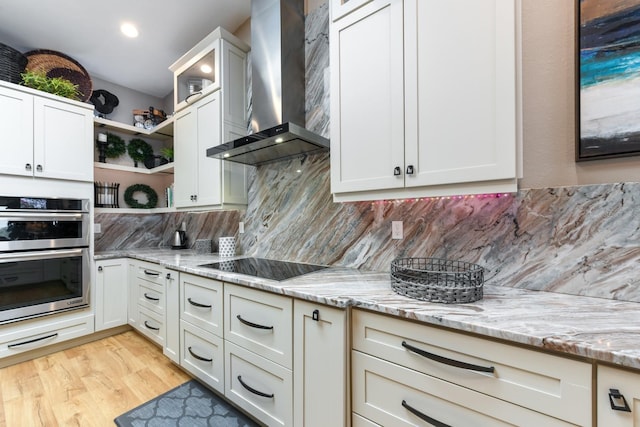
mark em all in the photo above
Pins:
pixel 424 417
pixel 150 327
pixel 197 304
pixel 447 361
pixel 204 359
pixel 614 393
pixel 253 390
pixel 253 325
pixel 151 273
pixel 19 344
pixel 151 298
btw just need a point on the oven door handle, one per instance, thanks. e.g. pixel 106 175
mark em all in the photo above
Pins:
pixel 42 216
pixel 37 255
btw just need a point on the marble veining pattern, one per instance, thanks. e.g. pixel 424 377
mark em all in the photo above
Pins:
pixel 600 329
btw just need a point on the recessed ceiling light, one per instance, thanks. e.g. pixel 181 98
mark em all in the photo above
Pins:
pixel 129 30
pixel 206 68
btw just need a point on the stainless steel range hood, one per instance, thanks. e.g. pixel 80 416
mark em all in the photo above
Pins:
pixel 278 88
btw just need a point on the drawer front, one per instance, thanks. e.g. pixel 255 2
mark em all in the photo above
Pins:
pixel 150 272
pixel 29 335
pixel 542 382
pixel 201 302
pixel 262 388
pixel 628 385
pixel 151 325
pixel 260 322
pixel 382 389
pixel 151 296
pixel 202 355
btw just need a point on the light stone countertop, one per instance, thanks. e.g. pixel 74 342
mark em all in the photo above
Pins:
pixel 599 329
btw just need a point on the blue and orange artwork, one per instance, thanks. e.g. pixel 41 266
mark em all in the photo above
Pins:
pixel 609 78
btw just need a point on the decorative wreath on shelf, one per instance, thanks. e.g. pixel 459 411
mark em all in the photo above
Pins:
pixel 152 196
pixel 115 146
pixel 139 150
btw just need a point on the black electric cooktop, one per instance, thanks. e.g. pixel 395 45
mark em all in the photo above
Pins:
pixel 264 268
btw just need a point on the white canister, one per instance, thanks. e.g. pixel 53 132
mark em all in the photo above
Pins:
pixel 227 247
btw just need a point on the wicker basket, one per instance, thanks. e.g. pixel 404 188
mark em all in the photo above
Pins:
pixel 12 64
pixel 437 280
pixel 57 64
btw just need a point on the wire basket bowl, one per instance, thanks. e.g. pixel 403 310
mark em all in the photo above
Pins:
pixel 12 64
pixel 437 280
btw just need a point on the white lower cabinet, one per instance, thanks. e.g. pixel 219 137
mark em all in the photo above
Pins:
pixel 32 334
pixel 111 286
pixel 459 379
pixel 618 397
pixel 320 368
pixel 259 386
pixel 153 308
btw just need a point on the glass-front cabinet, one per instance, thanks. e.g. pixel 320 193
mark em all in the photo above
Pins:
pixel 197 72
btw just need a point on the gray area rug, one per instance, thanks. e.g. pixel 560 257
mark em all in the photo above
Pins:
pixel 188 405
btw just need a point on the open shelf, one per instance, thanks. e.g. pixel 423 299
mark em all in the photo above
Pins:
pixel 168 168
pixel 163 131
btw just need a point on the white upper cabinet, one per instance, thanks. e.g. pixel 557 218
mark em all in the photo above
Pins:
pixel 45 136
pixel 425 98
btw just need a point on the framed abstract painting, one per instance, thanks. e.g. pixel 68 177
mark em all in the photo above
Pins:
pixel 608 79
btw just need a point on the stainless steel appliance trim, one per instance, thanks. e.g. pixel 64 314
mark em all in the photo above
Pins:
pixel 42 216
pixel 34 256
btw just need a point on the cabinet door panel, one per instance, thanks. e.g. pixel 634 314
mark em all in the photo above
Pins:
pixel 63 135
pixel 111 286
pixel 185 161
pixel 16 122
pixel 461 82
pixel 367 102
pixel 628 384
pixel 209 134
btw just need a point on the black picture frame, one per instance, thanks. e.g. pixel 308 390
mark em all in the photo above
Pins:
pixel 607 74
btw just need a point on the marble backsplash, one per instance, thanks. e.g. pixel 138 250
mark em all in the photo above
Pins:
pixel 581 240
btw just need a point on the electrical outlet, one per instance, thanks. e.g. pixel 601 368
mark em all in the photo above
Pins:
pixel 396 230
pixel 97 228
pixel 241 227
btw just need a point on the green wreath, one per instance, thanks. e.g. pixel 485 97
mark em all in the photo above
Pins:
pixel 139 150
pixel 115 146
pixel 152 196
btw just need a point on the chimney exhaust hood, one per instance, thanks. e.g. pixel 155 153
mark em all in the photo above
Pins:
pixel 278 88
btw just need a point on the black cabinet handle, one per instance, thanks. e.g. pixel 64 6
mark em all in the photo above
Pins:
pixel 20 344
pixel 424 417
pixel 168 276
pixel 614 393
pixel 447 361
pixel 150 327
pixel 151 298
pixel 204 359
pixel 197 304
pixel 253 325
pixel 397 171
pixel 410 170
pixel 253 390
pixel 151 273
pixel 316 315
pixel 100 268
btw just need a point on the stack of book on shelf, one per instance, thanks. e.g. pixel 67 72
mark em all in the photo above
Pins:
pixel 168 192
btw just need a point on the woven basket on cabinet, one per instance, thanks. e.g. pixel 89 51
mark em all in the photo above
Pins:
pixel 12 64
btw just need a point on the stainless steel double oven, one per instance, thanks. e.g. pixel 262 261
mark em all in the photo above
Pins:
pixel 44 256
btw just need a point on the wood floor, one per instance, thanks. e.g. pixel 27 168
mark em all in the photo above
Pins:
pixel 88 385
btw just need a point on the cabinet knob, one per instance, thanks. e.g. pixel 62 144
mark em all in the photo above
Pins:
pixel 397 171
pixel 39 168
pixel 27 166
pixel 100 268
pixel 410 170
pixel 168 276
pixel 616 396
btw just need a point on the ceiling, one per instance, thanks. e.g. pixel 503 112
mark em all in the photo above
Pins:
pixel 89 32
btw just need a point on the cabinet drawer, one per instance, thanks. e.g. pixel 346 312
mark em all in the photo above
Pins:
pixel 202 355
pixel 260 322
pixel 201 302
pixel 151 295
pixel 152 325
pixel 150 272
pixel 542 382
pixel 628 385
pixel 29 335
pixel 267 393
pixel 382 389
